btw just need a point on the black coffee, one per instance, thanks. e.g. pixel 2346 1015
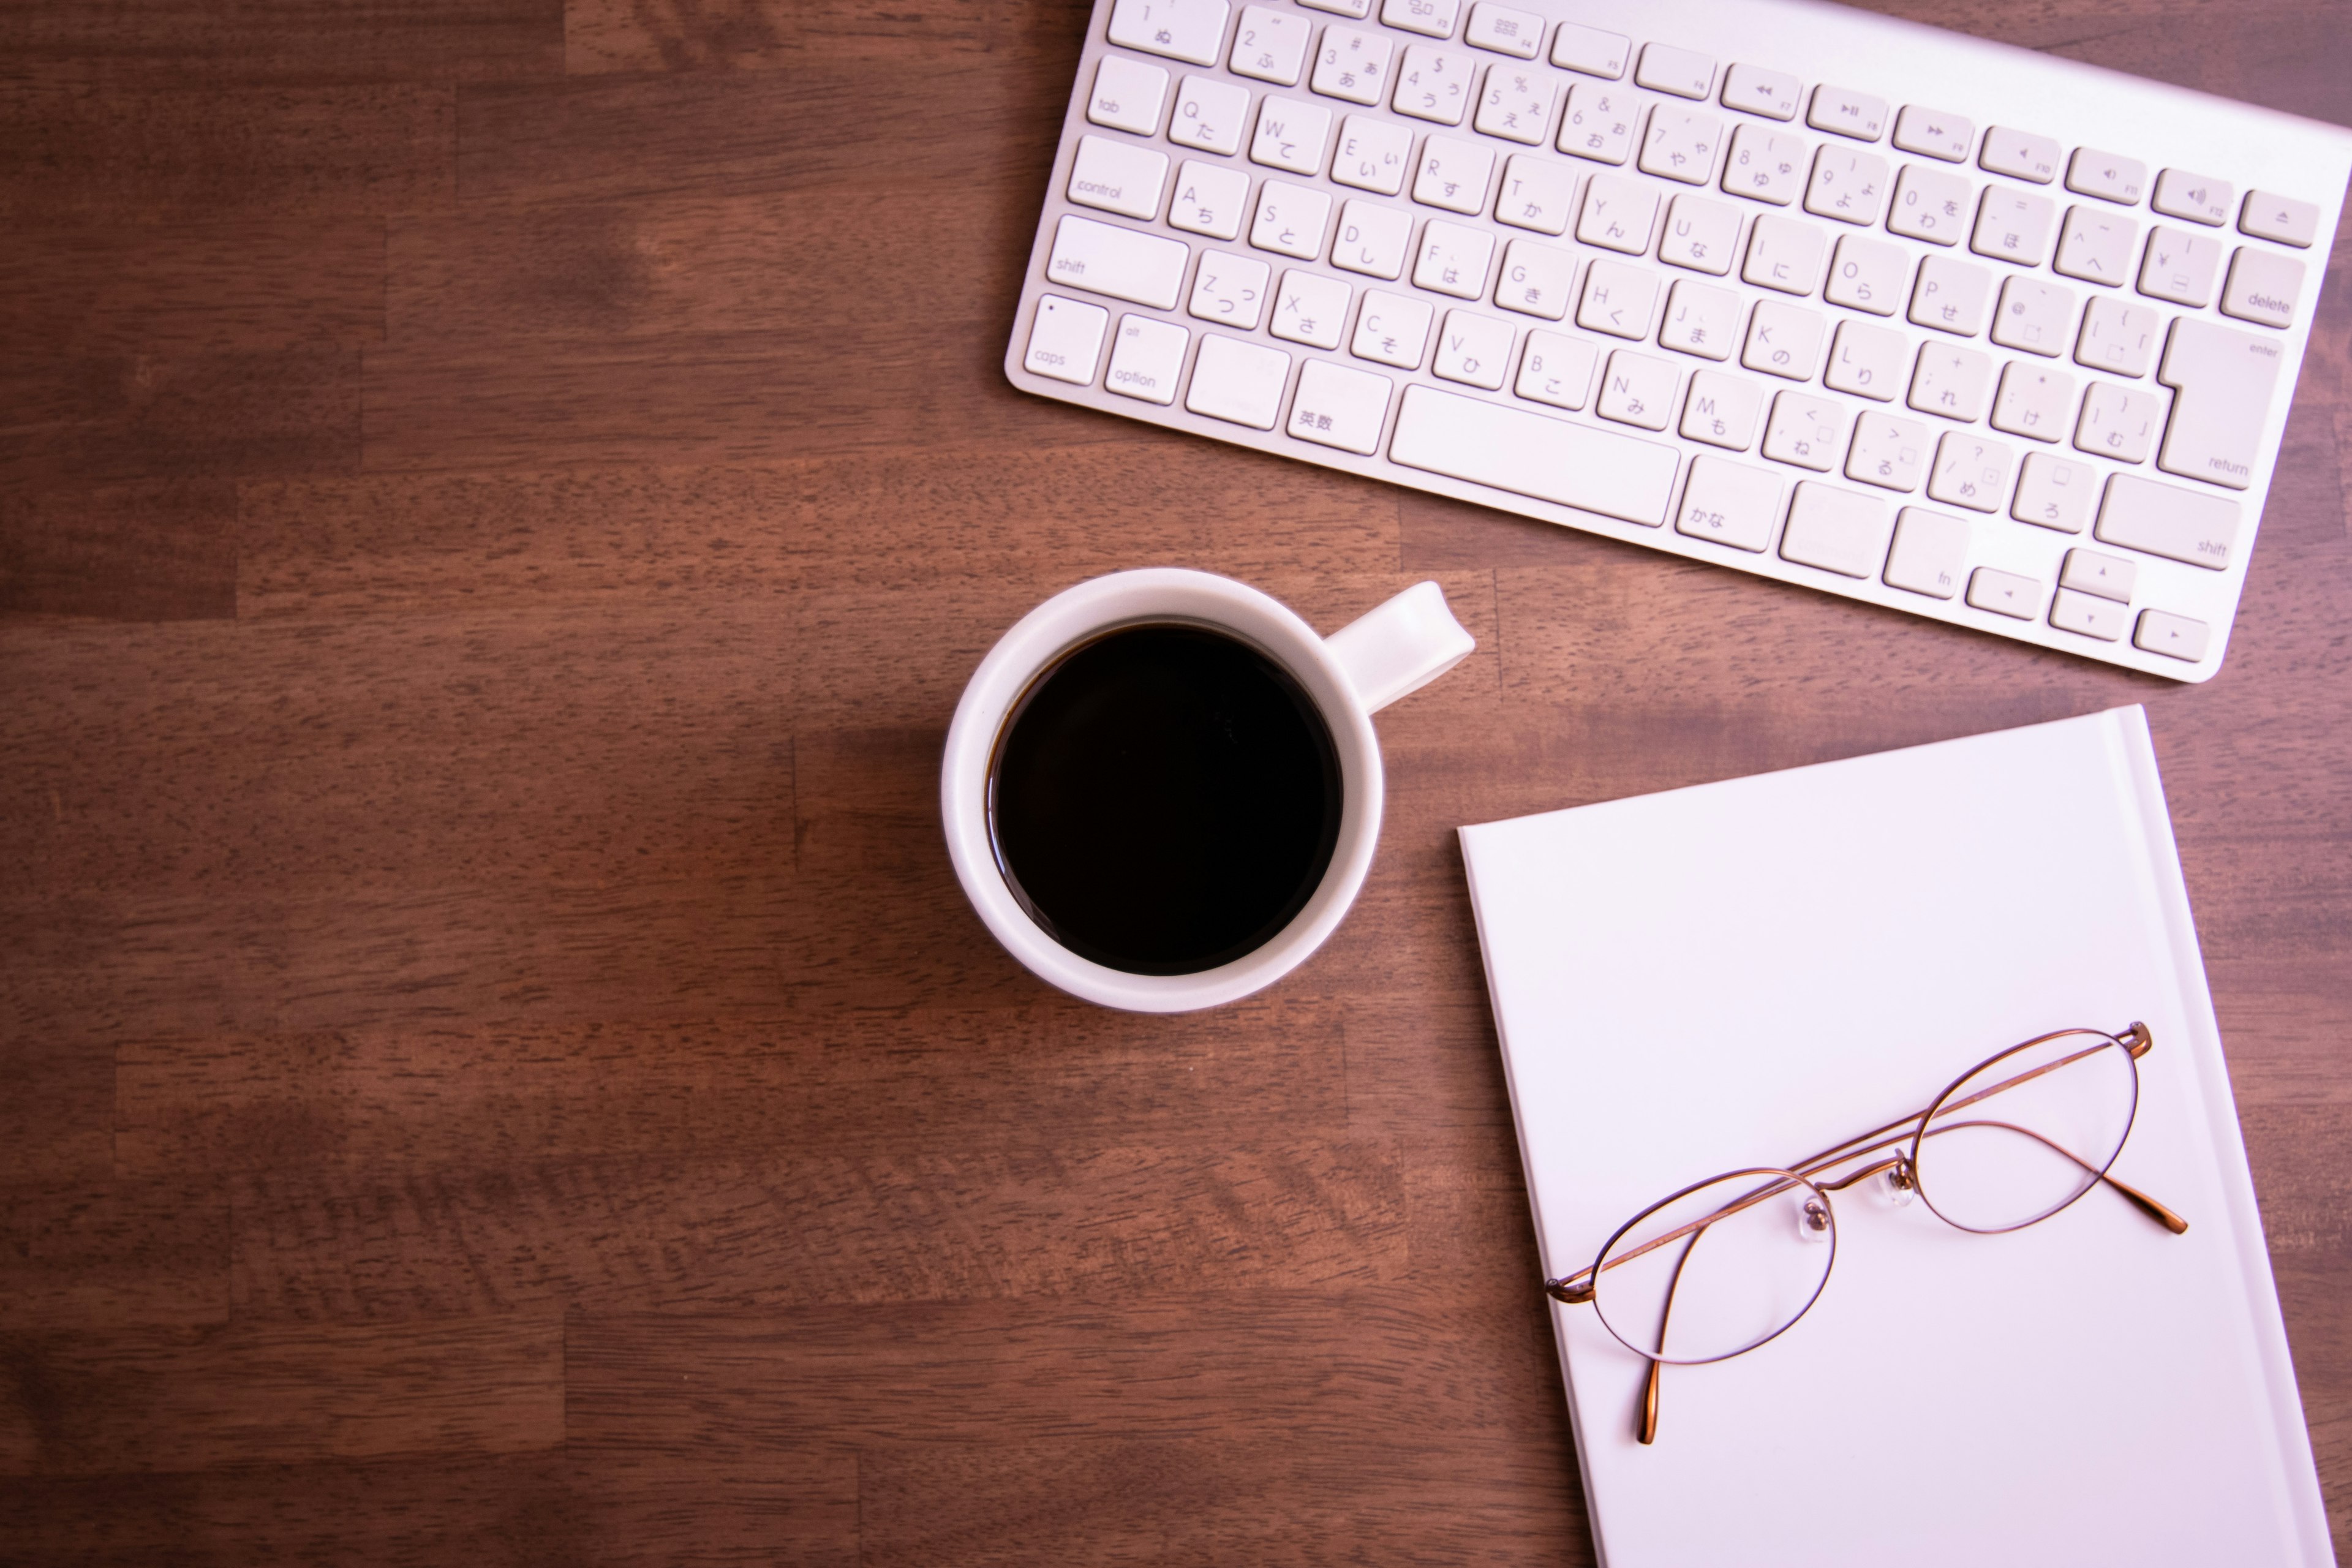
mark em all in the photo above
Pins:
pixel 1164 799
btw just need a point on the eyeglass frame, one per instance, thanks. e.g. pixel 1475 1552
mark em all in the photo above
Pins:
pixel 1902 1173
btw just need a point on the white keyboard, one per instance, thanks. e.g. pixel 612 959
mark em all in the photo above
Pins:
pixel 1966 331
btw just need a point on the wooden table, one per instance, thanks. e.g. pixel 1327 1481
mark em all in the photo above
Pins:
pixel 500 498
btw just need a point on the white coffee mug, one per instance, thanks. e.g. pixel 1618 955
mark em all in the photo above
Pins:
pixel 1360 669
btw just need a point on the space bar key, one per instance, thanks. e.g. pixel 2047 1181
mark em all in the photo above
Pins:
pixel 1534 454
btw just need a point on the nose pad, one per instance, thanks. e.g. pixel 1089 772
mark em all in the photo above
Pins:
pixel 1813 1222
pixel 1901 1183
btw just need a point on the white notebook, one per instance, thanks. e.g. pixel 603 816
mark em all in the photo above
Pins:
pixel 1739 973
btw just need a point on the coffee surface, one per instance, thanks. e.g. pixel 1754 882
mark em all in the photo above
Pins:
pixel 1165 799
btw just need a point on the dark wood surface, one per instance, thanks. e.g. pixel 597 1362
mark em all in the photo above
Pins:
pixel 497 500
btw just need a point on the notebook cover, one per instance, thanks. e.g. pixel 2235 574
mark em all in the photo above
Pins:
pixel 1737 974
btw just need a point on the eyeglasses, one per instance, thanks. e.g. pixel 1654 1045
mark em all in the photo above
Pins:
pixel 2066 1104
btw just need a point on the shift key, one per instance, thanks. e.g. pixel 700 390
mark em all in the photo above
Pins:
pixel 1104 259
pixel 2167 520
pixel 2225 380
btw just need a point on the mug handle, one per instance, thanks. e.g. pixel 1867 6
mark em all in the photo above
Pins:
pixel 1400 647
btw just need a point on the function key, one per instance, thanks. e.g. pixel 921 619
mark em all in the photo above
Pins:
pixel 2019 153
pixel 1845 113
pixel 1590 51
pixel 2199 199
pixel 1759 91
pixel 1359 10
pixel 1519 34
pixel 2283 218
pixel 1190 30
pixel 1932 133
pixel 1128 95
pixel 1686 73
pixel 1432 18
pixel 2106 176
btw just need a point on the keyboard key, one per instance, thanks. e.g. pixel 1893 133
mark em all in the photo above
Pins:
pixel 1310 308
pixel 1681 145
pixel 1867 275
pixel 1867 361
pixel 1454 175
pixel 1930 205
pixel 2096 247
pixel 1950 296
pixel 2224 381
pixel 1289 135
pixel 1434 19
pixel 1730 503
pixel 2165 520
pixel 2108 576
pixel 1210 115
pixel 1950 382
pixel 1270 46
pixel 1119 176
pixel 1845 113
pixel 1473 349
pixel 2055 492
pixel 1128 95
pixel 1887 452
pixel 1637 390
pixel 1517 105
pixel 1392 330
pixel 1932 133
pixel 1434 84
pixel 1238 381
pixel 1784 339
pixel 2013 226
pixel 2179 266
pixel 1930 549
pixel 1373 154
pixel 1453 259
pixel 1701 236
pixel 1755 91
pixel 1358 9
pixel 1534 455
pixel 2117 422
pixel 1190 30
pixel 1556 370
pixel 1339 407
pixel 1765 165
pixel 2283 218
pixel 1538 279
pixel 1809 432
pixel 1701 320
pixel 1538 194
pixel 2118 336
pixel 1618 299
pixel 2005 593
pixel 1065 340
pixel 2106 175
pixel 2034 403
pixel 2085 612
pixel 1291 220
pixel 1686 73
pixel 1208 200
pixel 1146 358
pixel 1785 254
pixel 1848 185
pixel 1519 34
pixel 1104 259
pixel 2033 316
pixel 1722 410
pixel 1353 64
pixel 2263 288
pixel 2175 636
pixel 1599 123
pixel 1590 51
pixel 1618 215
pixel 2199 199
pixel 2019 153
pixel 1375 239
pixel 1835 529
pixel 1229 290
pixel 1969 471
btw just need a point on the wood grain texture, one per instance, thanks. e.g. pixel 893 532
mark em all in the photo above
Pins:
pixel 498 501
